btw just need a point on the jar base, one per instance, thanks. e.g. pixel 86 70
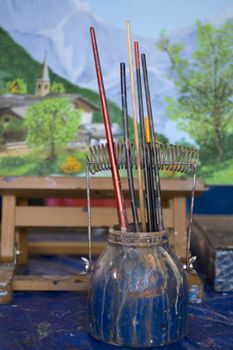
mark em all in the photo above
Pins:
pixel 136 346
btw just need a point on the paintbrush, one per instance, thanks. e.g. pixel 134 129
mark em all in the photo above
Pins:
pixel 127 146
pixel 143 141
pixel 135 127
pixel 111 150
pixel 149 151
pixel 153 141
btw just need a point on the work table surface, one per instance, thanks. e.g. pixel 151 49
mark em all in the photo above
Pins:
pixel 58 320
pixel 75 187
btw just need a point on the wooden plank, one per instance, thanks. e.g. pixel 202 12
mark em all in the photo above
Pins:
pixel 168 217
pixel 6 277
pixel 64 248
pixel 22 234
pixel 59 217
pixel 50 217
pixel 8 228
pixel 72 217
pixel 43 183
pixel 80 283
pixel 73 187
pixel 50 283
pixel 42 187
pixel 180 225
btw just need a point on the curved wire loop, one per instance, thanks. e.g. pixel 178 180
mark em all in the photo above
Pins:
pixel 172 158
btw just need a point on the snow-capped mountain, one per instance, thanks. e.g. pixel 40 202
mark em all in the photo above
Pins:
pixel 62 29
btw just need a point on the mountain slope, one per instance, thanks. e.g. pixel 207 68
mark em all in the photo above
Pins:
pixel 62 29
pixel 15 62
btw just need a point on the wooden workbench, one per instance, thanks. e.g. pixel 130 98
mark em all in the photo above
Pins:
pixel 18 216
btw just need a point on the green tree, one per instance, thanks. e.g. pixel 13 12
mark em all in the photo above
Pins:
pixel 162 138
pixel 57 88
pixel 204 106
pixel 184 142
pixel 51 123
pixel 16 86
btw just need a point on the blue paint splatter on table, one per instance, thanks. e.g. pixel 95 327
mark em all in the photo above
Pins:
pixel 58 320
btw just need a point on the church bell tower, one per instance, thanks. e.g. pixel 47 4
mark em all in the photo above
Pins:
pixel 43 82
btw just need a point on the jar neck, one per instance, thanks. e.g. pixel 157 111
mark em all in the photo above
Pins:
pixel 137 239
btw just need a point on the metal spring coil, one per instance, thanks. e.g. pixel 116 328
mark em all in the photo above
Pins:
pixel 170 157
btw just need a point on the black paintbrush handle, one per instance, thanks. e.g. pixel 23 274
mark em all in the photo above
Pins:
pixel 127 146
pixel 152 185
pixel 143 142
pixel 153 140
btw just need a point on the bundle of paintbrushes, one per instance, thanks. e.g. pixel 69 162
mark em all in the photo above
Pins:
pixel 145 148
pixel 138 292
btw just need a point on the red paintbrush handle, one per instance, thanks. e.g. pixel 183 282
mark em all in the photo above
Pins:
pixel 111 151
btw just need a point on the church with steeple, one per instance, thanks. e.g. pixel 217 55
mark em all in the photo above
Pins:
pixel 14 108
pixel 43 82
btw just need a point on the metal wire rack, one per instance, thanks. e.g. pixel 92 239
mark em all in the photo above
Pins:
pixel 170 157
pixel 173 158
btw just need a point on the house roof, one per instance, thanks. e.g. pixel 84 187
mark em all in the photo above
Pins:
pixel 9 102
pixel 74 98
pixel 97 130
pixel 19 111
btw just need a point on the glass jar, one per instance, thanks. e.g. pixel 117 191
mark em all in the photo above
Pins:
pixel 138 291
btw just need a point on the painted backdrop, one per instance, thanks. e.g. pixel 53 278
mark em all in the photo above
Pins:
pixel 49 106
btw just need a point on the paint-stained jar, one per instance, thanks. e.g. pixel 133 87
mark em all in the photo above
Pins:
pixel 138 291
